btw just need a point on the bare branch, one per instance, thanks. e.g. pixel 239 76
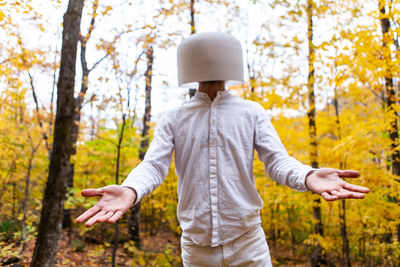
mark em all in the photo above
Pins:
pixel 34 95
pixel 89 100
pixel 85 69
pixel 93 20
pixel 44 135
pixel 98 62
pixel 131 77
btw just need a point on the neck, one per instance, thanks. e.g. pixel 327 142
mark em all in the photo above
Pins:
pixel 211 88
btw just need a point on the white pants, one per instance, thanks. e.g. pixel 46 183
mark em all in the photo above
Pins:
pixel 249 250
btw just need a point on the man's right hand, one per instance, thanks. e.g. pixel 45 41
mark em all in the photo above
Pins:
pixel 114 202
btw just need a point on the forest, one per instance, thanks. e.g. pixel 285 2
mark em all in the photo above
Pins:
pixel 83 83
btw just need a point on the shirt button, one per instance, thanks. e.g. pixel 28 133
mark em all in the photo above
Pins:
pixel 212 141
pixel 213 122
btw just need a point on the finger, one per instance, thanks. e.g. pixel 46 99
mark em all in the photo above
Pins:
pixel 348 173
pixel 92 192
pixel 343 194
pixel 105 217
pixel 328 197
pixel 87 214
pixel 355 188
pixel 117 215
pixel 94 219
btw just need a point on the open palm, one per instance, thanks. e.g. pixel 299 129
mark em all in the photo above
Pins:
pixel 327 182
pixel 114 202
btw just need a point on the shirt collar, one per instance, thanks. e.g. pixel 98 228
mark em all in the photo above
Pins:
pixel 204 96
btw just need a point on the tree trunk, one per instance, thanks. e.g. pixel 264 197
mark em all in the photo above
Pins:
pixel 250 71
pixel 343 232
pixel 391 100
pixel 25 203
pixel 14 213
pixel 342 206
pixel 67 222
pixel 133 224
pixel 119 145
pixel 147 112
pixel 192 91
pixel 316 257
pixel 26 193
pixel 53 200
pixel 192 22
pixel 134 219
pixel 291 213
pixel 30 163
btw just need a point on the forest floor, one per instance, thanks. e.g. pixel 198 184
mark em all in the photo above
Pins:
pixel 161 249
pixel 73 252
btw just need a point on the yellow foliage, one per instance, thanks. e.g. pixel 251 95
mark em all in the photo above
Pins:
pixel 352 65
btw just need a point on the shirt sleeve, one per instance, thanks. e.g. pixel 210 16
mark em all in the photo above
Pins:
pixel 279 165
pixel 151 172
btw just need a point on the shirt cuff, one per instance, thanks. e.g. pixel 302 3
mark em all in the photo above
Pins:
pixel 139 191
pixel 302 181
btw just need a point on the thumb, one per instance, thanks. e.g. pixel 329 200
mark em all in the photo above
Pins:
pixel 92 192
pixel 348 173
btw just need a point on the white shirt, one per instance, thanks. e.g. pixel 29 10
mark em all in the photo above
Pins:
pixel 214 144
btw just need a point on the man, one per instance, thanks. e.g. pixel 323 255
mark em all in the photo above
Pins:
pixel 214 136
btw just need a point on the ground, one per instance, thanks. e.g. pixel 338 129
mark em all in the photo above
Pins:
pixel 161 249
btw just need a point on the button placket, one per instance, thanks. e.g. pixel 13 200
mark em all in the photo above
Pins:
pixel 213 174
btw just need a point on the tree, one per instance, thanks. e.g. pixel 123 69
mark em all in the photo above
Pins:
pixel 390 97
pixel 390 90
pixel 192 91
pixel 34 148
pixel 134 218
pixel 192 21
pixel 59 169
pixel 124 80
pixel 316 258
pixel 67 222
pixel 342 204
pixel 119 146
